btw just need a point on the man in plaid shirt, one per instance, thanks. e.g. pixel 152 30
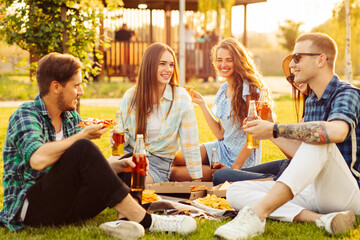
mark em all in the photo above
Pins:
pixel 53 173
pixel 321 184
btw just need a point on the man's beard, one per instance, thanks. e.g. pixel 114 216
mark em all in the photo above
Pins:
pixel 62 105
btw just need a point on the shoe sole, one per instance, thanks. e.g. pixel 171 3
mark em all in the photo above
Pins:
pixel 343 222
pixel 123 231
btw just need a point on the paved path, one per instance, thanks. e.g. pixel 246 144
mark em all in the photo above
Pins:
pixel 278 86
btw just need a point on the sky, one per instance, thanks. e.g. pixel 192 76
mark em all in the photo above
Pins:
pixel 265 16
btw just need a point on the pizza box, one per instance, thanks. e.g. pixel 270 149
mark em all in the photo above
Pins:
pixel 175 187
pixel 219 190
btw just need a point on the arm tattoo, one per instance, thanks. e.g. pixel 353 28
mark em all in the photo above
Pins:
pixel 311 132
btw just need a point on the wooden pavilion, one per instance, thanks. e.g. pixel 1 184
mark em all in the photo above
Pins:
pixel 123 58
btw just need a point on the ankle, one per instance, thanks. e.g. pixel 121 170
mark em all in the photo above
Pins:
pixel 259 213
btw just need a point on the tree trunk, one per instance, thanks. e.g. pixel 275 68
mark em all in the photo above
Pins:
pixel 348 67
pixel 63 19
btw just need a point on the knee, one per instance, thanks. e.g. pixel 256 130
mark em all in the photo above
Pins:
pixel 83 145
pixel 236 192
pixel 85 149
pixel 219 177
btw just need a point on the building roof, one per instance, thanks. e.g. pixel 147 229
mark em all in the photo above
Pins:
pixel 191 5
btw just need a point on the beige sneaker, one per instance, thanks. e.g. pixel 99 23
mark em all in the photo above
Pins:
pixel 123 229
pixel 245 225
pixel 336 222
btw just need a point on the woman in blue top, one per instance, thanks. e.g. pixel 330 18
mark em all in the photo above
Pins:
pixel 271 169
pixel 243 83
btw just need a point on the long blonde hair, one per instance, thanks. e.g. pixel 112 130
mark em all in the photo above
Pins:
pixel 244 69
pixel 146 94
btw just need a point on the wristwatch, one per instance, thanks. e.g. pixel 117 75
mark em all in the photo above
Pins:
pixel 275 131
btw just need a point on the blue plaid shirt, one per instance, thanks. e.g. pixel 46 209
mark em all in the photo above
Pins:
pixel 340 101
pixel 29 128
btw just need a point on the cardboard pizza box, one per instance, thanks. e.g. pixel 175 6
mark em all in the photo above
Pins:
pixel 219 190
pixel 175 187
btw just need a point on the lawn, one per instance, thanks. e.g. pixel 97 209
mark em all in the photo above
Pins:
pixel 206 228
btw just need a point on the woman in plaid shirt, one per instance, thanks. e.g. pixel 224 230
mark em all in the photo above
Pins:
pixel 162 111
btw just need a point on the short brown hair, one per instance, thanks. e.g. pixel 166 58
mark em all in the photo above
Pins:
pixel 56 67
pixel 322 43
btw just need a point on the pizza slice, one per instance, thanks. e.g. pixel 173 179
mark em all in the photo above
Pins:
pixel 93 121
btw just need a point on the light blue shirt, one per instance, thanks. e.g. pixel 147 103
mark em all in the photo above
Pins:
pixel 234 137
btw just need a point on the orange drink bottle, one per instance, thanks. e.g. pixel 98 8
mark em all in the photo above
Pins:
pixel 252 114
pixel 263 105
pixel 118 136
pixel 138 173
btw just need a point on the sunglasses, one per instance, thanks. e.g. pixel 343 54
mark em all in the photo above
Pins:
pixel 297 56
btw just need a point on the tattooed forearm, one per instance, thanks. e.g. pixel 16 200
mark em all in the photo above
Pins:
pixel 311 132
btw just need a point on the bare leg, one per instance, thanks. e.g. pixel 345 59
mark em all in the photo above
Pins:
pixel 307 216
pixel 180 173
pixel 130 209
pixel 275 198
pixel 278 195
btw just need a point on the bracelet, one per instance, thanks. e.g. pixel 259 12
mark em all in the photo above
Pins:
pixel 275 131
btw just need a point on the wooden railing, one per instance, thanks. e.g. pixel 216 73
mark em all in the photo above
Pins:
pixel 124 58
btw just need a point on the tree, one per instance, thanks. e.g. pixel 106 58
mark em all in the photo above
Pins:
pixel 348 67
pixel 289 32
pixel 43 26
pixel 208 6
pixel 336 28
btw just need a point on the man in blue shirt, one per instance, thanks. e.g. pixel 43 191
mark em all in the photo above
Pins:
pixel 321 184
pixel 53 174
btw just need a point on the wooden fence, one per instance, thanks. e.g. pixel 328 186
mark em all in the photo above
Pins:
pixel 124 58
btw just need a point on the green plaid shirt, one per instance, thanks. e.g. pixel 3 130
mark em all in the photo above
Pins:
pixel 29 128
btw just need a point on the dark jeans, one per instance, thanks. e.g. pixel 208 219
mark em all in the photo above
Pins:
pixel 79 186
pixel 272 169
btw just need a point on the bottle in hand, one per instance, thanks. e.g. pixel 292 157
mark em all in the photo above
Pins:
pixel 264 104
pixel 214 160
pixel 138 173
pixel 118 136
pixel 252 114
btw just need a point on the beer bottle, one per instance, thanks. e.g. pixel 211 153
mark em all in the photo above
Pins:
pixel 214 160
pixel 118 136
pixel 138 173
pixel 264 104
pixel 252 142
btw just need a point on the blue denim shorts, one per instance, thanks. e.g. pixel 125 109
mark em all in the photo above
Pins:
pixel 159 167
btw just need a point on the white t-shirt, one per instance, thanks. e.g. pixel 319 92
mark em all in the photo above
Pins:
pixel 60 135
pixel 154 124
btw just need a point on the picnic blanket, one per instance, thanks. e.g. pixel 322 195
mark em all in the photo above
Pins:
pixel 194 210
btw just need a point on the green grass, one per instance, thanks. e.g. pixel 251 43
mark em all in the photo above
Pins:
pixel 89 229
pixel 19 87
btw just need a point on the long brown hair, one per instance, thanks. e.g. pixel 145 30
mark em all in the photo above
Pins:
pixel 146 93
pixel 244 69
pixel 299 99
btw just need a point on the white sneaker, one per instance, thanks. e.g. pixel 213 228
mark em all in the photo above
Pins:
pixel 336 222
pixel 123 229
pixel 246 224
pixel 179 223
